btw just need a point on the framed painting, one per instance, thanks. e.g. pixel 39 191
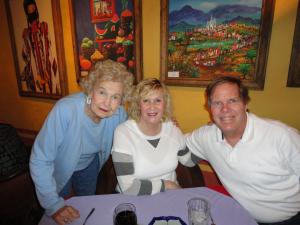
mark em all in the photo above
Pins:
pixel 102 10
pixel 294 69
pixel 38 49
pixel 201 41
pixel 106 29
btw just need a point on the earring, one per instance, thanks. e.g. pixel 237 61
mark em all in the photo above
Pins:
pixel 88 100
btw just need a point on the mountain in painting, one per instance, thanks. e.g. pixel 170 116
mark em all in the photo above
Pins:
pixel 244 20
pixel 189 16
pixel 181 26
pixel 227 12
pixel 186 14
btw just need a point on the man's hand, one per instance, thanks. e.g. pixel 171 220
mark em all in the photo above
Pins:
pixel 65 215
pixel 175 122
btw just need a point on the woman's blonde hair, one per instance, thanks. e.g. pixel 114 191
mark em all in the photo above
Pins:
pixel 108 70
pixel 141 91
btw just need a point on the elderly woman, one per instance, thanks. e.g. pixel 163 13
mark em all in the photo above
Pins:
pixel 147 147
pixel 76 139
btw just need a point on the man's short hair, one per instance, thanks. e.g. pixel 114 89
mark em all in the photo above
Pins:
pixel 243 90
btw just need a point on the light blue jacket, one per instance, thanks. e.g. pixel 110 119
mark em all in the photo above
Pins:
pixel 59 144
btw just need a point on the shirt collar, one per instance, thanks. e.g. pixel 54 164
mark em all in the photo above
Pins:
pixel 248 132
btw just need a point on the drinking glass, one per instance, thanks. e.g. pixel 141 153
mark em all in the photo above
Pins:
pixel 124 214
pixel 198 211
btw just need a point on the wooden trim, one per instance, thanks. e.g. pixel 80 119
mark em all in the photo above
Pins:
pixel 294 69
pixel 206 168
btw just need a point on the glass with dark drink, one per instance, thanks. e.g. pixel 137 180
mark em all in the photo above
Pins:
pixel 124 214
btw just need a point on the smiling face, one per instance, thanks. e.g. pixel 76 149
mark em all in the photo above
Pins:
pixel 152 107
pixel 228 110
pixel 106 97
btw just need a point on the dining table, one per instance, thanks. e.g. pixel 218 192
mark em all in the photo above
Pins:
pixel 172 203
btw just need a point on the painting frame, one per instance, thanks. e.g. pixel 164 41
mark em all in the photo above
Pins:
pixel 48 88
pixel 294 67
pixel 267 13
pixel 137 39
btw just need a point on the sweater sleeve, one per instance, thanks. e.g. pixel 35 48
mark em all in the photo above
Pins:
pixel 42 159
pixel 128 183
pixel 185 156
pixel 122 156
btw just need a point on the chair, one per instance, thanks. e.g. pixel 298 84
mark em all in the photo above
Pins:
pixel 220 189
pixel 19 204
pixel 212 181
pixel 107 179
pixel 187 177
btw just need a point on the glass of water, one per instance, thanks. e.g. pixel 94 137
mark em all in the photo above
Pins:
pixel 198 211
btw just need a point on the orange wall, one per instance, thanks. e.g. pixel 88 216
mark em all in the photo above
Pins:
pixel 276 101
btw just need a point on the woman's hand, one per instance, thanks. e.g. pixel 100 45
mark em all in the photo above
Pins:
pixel 65 215
pixel 170 185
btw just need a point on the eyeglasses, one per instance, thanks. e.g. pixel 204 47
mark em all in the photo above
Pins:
pixel 229 102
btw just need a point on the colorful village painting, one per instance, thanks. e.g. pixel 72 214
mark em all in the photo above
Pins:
pixel 104 30
pixel 207 39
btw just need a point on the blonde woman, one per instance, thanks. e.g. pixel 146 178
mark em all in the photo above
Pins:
pixel 76 139
pixel 147 147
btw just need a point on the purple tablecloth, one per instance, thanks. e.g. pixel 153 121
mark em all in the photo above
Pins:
pixel 224 210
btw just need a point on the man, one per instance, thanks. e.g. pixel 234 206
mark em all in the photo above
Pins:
pixel 40 73
pixel 257 160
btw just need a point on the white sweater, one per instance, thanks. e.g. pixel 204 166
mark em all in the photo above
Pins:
pixel 150 164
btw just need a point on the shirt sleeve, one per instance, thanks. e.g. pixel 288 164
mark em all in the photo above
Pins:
pixel 42 158
pixel 194 142
pixel 290 149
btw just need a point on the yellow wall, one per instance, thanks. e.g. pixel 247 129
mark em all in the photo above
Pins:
pixel 276 101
